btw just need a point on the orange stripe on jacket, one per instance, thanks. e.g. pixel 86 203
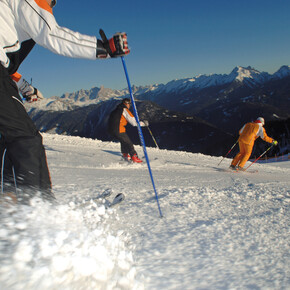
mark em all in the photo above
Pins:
pixel 124 122
pixel 16 77
pixel 44 5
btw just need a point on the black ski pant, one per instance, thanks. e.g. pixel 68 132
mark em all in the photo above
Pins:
pixel 8 184
pixel 22 142
pixel 126 143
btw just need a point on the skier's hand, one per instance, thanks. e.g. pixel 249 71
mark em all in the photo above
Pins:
pixel 29 92
pixel 144 123
pixel 114 47
pixel 275 143
pixel 37 95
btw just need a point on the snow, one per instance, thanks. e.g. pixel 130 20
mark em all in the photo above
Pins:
pixel 220 230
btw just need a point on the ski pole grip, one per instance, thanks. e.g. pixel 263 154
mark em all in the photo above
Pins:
pixel 103 35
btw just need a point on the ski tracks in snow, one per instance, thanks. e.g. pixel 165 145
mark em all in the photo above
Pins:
pixel 220 230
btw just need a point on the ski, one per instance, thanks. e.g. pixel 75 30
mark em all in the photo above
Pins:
pixel 125 161
pixel 117 199
pixel 246 171
pixel 129 162
pixel 241 171
pixel 235 170
pixel 106 193
pixel 103 196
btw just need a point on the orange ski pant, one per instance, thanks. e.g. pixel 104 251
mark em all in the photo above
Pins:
pixel 243 156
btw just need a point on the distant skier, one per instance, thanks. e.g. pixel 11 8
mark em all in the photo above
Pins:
pixel 117 123
pixel 22 25
pixel 248 134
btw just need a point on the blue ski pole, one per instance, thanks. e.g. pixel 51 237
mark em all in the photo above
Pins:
pixel 105 40
pixel 140 133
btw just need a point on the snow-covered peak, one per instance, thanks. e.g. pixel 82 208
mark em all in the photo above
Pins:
pixel 241 74
pixel 51 104
pixel 284 71
pixel 93 95
pixel 246 75
pixel 69 101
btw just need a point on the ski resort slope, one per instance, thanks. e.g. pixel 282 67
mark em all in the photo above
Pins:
pixel 220 229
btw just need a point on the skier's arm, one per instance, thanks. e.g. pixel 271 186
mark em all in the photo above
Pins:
pixel 37 20
pixel 129 117
pixel 262 133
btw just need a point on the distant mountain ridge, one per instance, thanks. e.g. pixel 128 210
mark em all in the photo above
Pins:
pixel 228 100
pixel 95 95
pixel 217 104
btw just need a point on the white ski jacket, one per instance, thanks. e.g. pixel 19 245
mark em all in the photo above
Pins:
pixel 26 20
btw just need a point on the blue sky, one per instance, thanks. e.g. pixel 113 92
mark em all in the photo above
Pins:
pixel 168 40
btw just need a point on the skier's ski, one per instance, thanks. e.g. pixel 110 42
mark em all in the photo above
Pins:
pixel 117 199
pixel 104 194
pixel 235 170
pixel 125 161
pixel 246 171
pixel 131 163
pixel 242 171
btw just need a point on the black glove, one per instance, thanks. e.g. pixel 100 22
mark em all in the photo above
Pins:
pixel 114 47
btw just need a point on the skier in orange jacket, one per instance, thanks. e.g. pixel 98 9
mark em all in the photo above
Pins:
pixel 117 123
pixel 248 134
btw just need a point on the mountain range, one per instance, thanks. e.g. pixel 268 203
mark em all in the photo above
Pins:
pixel 199 114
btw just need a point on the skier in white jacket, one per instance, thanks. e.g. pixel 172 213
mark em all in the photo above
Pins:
pixel 24 23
